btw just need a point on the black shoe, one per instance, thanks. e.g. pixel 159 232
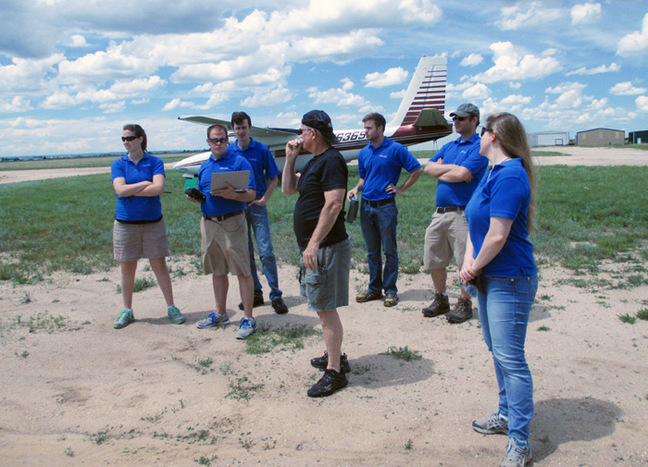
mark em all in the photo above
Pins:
pixel 258 301
pixel 279 306
pixel 461 312
pixel 329 383
pixel 322 362
pixel 439 306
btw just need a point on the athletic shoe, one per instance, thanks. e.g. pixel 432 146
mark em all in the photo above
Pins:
pixel 461 312
pixel 279 306
pixel 439 306
pixel 517 454
pixel 175 315
pixel 322 362
pixel 391 299
pixel 124 319
pixel 368 295
pixel 258 301
pixel 491 425
pixel 329 383
pixel 246 328
pixel 214 319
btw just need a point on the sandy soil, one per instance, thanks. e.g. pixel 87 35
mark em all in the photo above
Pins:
pixel 75 391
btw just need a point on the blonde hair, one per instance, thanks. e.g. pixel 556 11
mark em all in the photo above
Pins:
pixel 513 139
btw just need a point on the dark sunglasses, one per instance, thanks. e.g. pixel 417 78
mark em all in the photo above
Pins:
pixel 129 138
pixel 460 119
pixel 484 130
pixel 222 140
pixel 302 131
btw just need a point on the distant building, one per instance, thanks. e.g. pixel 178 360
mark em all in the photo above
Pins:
pixel 600 137
pixel 549 138
pixel 638 137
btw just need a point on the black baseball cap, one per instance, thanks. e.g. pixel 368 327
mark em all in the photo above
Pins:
pixel 320 121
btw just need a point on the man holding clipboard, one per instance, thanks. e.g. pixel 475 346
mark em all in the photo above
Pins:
pixel 224 230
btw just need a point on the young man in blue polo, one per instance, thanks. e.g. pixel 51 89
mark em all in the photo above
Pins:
pixel 224 232
pixel 379 165
pixel 266 177
pixel 459 167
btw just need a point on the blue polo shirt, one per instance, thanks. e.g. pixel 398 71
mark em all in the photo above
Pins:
pixel 505 192
pixel 380 166
pixel 261 160
pixel 137 208
pixel 216 205
pixel 464 154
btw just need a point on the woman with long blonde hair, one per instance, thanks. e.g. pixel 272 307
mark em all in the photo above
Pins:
pixel 499 263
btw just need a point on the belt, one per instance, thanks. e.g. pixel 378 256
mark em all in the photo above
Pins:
pixel 223 217
pixel 450 209
pixel 375 204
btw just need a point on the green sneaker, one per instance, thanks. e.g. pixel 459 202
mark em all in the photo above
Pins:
pixel 124 319
pixel 175 316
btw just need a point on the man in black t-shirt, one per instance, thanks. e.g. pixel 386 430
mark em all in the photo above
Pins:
pixel 324 244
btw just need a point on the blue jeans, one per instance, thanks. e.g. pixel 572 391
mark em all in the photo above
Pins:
pixel 504 314
pixel 257 219
pixel 379 228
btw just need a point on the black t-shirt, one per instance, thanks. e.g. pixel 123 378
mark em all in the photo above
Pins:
pixel 325 172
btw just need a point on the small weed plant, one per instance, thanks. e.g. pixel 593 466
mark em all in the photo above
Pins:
pixel 404 353
pixel 289 337
pixel 627 318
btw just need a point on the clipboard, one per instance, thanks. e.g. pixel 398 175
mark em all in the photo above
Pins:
pixel 238 179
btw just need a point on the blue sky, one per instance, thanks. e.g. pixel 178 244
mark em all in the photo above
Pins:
pixel 72 72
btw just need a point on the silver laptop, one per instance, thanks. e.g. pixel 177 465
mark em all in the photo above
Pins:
pixel 238 179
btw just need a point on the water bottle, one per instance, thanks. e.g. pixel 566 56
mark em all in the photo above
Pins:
pixel 353 210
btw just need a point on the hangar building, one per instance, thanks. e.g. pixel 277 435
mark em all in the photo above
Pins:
pixel 600 137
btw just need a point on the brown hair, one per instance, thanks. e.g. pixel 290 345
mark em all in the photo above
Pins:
pixel 139 131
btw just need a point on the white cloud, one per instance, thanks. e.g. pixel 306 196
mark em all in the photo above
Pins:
pixel 390 77
pixel 278 95
pixel 17 104
pixel 613 67
pixel 642 103
pixel 626 88
pixel 476 91
pixel 533 14
pixel 338 97
pixel 397 94
pixel 515 100
pixel 513 65
pixel 472 60
pixel 515 85
pixel 635 43
pixel 347 84
pixel 77 40
pixel 570 95
pixel 586 13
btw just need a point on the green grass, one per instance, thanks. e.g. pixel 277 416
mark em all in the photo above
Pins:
pixel 626 318
pixel 289 337
pixel 585 215
pixel 404 353
pixel 83 162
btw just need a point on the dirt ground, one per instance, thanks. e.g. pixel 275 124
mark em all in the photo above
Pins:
pixel 74 391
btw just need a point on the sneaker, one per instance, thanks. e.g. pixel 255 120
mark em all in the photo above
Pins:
pixel 439 306
pixel 258 301
pixel 461 312
pixel 214 319
pixel 368 295
pixel 329 383
pixel 517 454
pixel 279 306
pixel 391 299
pixel 491 425
pixel 124 319
pixel 174 314
pixel 246 328
pixel 321 363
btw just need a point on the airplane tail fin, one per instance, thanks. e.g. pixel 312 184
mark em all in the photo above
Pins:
pixel 426 90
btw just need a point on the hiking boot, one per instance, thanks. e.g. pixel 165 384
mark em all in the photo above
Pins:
pixel 258 301
pixel 439 306
pixel 279 306
pixel 491 425
pixel 329 383
pixel 174 314
pixel 517 454
pixel 246 328
pixel 391 299
pixel 368 295
pixel 124 319
pixel 321 363
pixel 461 312
pixel 214 319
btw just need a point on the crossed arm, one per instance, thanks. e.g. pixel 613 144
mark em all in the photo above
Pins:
pixel 449 173
pixel 145 188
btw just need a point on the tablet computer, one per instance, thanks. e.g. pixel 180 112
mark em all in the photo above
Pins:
pixel 238 179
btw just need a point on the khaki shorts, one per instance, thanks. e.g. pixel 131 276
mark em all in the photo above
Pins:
pixel 445 237
pixel 135 241
pixel 224 246
pixel 327 287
